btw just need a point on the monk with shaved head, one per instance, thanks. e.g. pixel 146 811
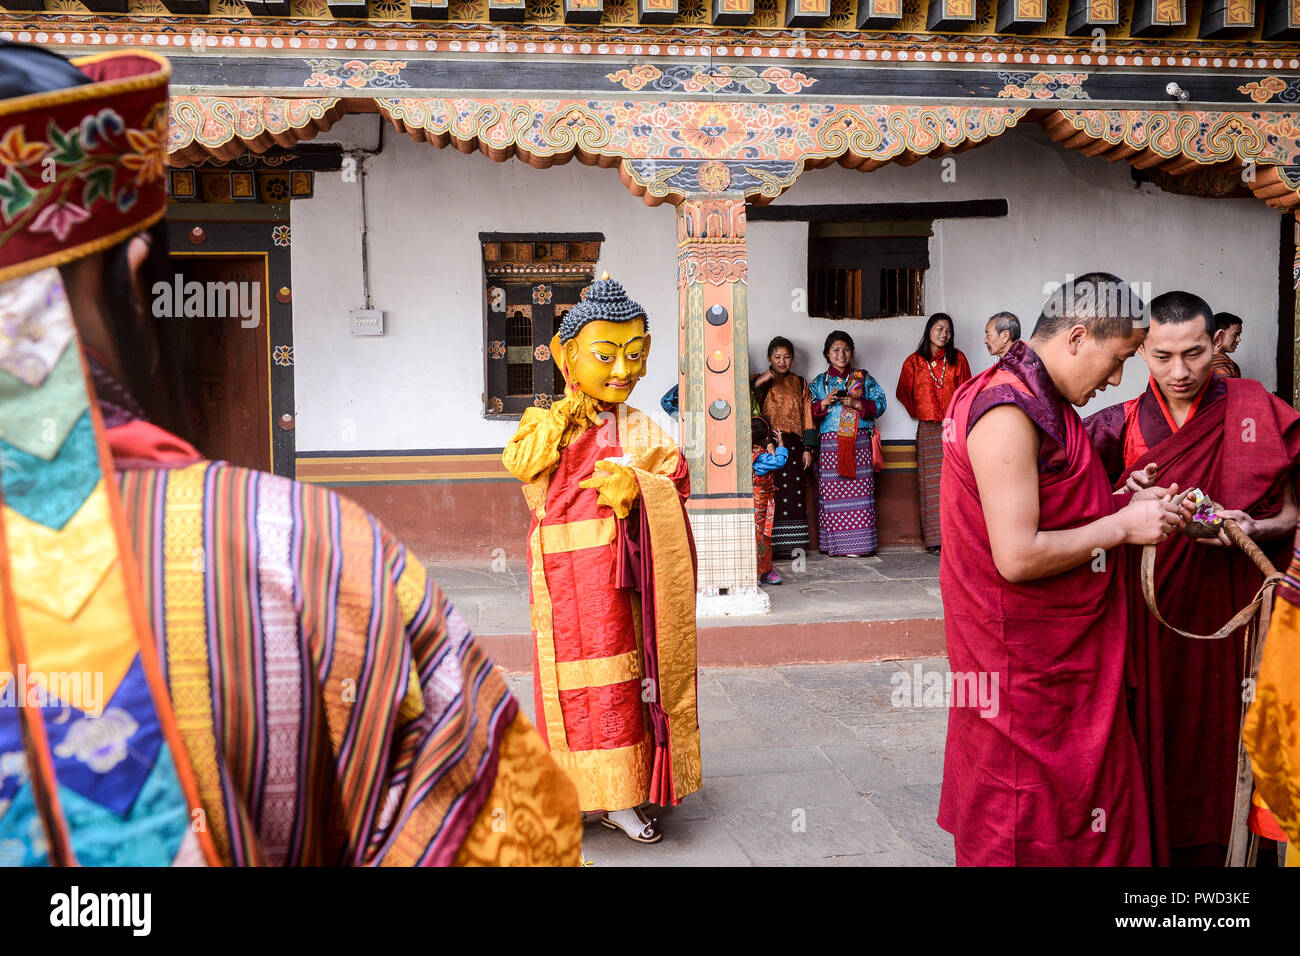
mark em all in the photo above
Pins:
pixel 1034 601
pixel 1238 444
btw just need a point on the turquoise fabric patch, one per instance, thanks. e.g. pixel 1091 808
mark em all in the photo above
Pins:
pixel 38 420
pixel 150 835
pixel 51 492
pixel 22 838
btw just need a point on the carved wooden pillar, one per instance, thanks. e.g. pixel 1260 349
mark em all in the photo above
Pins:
pixel 714 388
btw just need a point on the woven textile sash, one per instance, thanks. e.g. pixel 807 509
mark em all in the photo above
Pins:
pixel 850 419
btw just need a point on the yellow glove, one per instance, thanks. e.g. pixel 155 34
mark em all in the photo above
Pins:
pixel 617 485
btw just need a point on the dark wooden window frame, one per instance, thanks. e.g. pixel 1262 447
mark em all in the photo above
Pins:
pixel 867 256
pixel 877 212
pixel 565 289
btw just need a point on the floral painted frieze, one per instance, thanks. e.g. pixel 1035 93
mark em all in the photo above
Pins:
pixel 711 177
pixel 355 74
pixel 1043 86
pixel 1263 91
pixel 752 132
pixel 205 127
pixel 711 78
pixel 1208 136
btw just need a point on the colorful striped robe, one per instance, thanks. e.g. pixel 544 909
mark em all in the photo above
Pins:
pixel 333 705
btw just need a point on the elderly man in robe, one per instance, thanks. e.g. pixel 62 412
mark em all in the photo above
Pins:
pixel 1033 597
pixel 1001 331
pixel 1238 444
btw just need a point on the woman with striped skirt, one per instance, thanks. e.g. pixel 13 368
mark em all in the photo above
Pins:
pixel 929 378
pixel 846 402
pixel 787 405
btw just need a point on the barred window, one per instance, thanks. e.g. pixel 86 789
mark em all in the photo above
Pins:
pixel 867 270
pixel 531 281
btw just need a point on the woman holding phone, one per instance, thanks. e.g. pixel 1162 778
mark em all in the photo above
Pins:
pixel 846 403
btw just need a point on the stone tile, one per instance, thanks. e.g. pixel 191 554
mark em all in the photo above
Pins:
pixel 713 702
pixel 838 569
pixel 912 811
pixel 904 856
pixel 468 610
pixel 476 575
pixel 740 763
pixel 726 735
pixel 822 739
pixel 762 693
pixel 914 751
pixel 850 601
pixel 909 564
pixel 866 770
pixel 854 674
pixel 802 819
pixel 504 615
pixel 800 731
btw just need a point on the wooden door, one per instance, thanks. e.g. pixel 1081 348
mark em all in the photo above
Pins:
pixel 228 375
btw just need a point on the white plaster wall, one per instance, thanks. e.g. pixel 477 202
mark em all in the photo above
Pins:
pixel 1067 213
pixel 421 384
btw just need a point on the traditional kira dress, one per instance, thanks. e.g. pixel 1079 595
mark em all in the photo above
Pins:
pixel 846 484
pixel 787 404
pixel 766 467
pixel 925 388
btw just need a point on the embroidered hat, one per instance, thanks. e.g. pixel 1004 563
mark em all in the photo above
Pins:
pixel 84 167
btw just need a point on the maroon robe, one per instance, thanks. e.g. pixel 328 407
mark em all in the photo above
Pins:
pixel 1185 695
pixel 1053 778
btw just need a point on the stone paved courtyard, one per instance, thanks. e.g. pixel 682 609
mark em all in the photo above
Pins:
pixel 804 765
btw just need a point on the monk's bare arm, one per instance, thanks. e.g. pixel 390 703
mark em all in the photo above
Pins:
pixel 1282 523
pixel 1003 449
pixel 1266 529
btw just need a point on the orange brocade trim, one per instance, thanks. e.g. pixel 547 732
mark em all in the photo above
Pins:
pixel 531 816
pixel 615 778
pixel 1272 730
pixel 674 628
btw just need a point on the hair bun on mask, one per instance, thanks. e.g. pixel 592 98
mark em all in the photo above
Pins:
pixel 604 301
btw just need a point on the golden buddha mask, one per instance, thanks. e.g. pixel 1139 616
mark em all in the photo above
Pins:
pixel 605 359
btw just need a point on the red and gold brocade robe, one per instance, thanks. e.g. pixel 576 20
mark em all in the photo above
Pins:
pixel 1239 444
pixel 614 681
